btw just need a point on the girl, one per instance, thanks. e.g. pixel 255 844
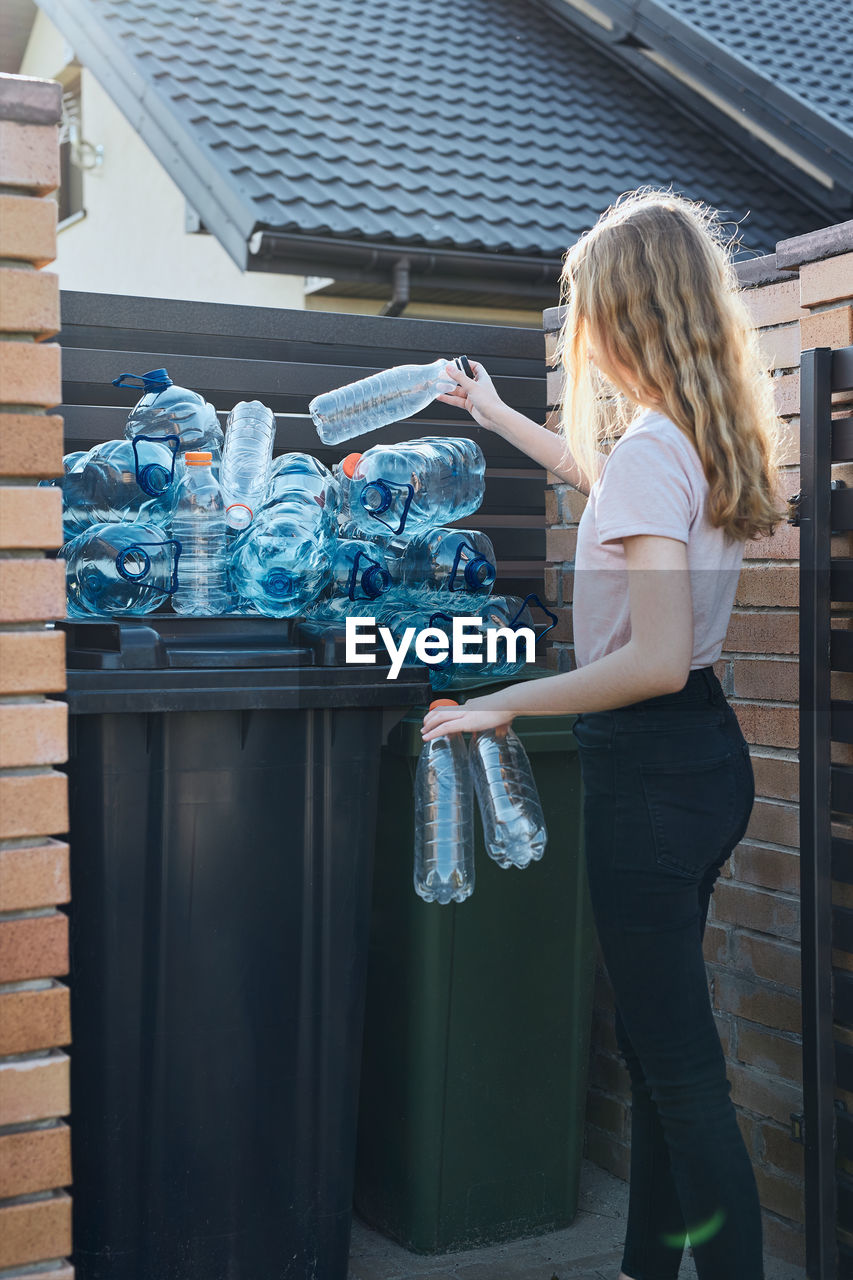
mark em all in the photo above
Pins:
pixel 659 351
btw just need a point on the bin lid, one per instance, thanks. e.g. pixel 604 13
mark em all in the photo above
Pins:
pixel 164 662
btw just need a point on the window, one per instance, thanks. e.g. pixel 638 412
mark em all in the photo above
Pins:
pixel 70 194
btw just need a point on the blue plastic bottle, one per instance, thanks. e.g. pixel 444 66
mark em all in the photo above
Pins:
pixel 115 481
pixel 359 572
pixel 198 524
pixel 373 402
pixel 173 414
pixel 120 568
pixel 246 461
pixel 444 820
pixel 414 486
pixel 513 823
pixel 446 560
pixel 300 482
pixel 277 566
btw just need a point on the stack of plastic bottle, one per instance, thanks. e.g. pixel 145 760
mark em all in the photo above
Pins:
pixel 176 515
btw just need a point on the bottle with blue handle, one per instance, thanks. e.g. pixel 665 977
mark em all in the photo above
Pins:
pixel 198 524
pixel 513 823
pixel 301 484
pixel 125 568
pixel 174 414
pixel 414 486
pixel 373 402
pixel 444 820
pixel 114 481
pixel 358 571
pixel 278 566
pixel 446 560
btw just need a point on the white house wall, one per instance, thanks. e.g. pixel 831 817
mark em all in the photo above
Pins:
pixel 132 239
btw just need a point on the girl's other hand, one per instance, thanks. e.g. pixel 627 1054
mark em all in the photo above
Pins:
pixel 476 395
pixel 473 716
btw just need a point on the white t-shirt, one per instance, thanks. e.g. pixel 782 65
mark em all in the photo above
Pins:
pixel 651 483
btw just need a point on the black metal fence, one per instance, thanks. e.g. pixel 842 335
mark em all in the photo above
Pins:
pixel 284 358
pixel 826 806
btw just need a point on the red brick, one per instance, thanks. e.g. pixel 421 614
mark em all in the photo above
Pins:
pixel 552 506
pixel 34 876
pixel 30 518
pixel 35 1160
pixel 756 1002
pixel 573 504
pixel 774 823
pixel 607 1152
pixel 32 661
pixel 781 1194
pixel 35 1230
pixel 774 303
pixel 771 679
pixel 783 1240
pixel 560 658
pixel 716 944
pixel 770 913
pixel 769 586
pixel 827 328
pixel 757 1092
pixel 777 1148
pixel 725 1030
pixel 609 1114
pixel 784 544
pixel 35 1088
pixel 560 545
pixel 610 1075
pixel 29 301
pixel 563 630
pixel 555 385
pixel 774 632
pixel 28 229
pixel 33 733
pixel 776 777
pixel 29 156
pixel 828 281
pixel 771 1053
pixel 31 445
pixel 30 372
pixel 31 590
pixel 787 391
pixel 30 100
pixel 33 804
pixel 768 725
pixel 768 868
pixel 36 1018
pixel 34 947
pixel 780 346
pixel 749 1130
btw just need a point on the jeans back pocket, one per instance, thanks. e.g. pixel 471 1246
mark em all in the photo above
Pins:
pixel 692 808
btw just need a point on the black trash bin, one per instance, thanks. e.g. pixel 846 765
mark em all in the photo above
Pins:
pixel 224 781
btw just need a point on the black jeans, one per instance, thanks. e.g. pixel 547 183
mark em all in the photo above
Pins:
pixel 668 792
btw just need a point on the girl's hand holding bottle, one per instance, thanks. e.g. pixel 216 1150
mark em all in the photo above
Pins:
pixel 475 715
pixel 477 395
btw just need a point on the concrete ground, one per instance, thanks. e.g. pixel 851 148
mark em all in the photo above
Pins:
pixel 590 1249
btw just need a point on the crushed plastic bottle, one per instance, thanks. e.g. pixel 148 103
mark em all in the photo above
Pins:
pixel 198 524
pixel 513 822
pixel 414 486
pixel 120 568
pixel 246 460
pixel 444 819
pixel 373 402
pixel 277 567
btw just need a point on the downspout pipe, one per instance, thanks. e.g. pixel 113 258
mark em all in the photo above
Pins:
pixel 401 296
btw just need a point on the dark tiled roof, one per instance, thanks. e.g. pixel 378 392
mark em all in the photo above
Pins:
pixel 806 48
pixel 463 124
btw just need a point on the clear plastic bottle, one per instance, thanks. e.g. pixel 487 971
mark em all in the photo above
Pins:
pixel 167 413
pixel 513 822
pixel 414 486
pixel 198 523
pixel 444 819
pixel 277 566
pixel 246 460
pixel 115 481
pixel 359 572
pixel 370 403
pixel 302 482
pixel 120 568
pixel 446 560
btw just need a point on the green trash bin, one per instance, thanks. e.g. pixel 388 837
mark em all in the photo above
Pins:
pixel 476 1045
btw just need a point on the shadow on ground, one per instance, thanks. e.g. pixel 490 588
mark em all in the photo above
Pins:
pixel 590 1249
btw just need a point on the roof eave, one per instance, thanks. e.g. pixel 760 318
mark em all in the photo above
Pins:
pixel 224 212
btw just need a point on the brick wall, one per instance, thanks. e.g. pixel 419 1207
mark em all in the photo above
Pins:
pixel 35 1153
pixel 799 298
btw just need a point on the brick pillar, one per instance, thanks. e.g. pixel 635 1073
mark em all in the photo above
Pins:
pixel 799 298
pixel 35 1210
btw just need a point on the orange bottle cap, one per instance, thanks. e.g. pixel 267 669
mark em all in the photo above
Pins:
pixel 197 459
pixel 443 702
pixel 349 464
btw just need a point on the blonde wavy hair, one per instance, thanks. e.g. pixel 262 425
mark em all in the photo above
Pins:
pixel 653 286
